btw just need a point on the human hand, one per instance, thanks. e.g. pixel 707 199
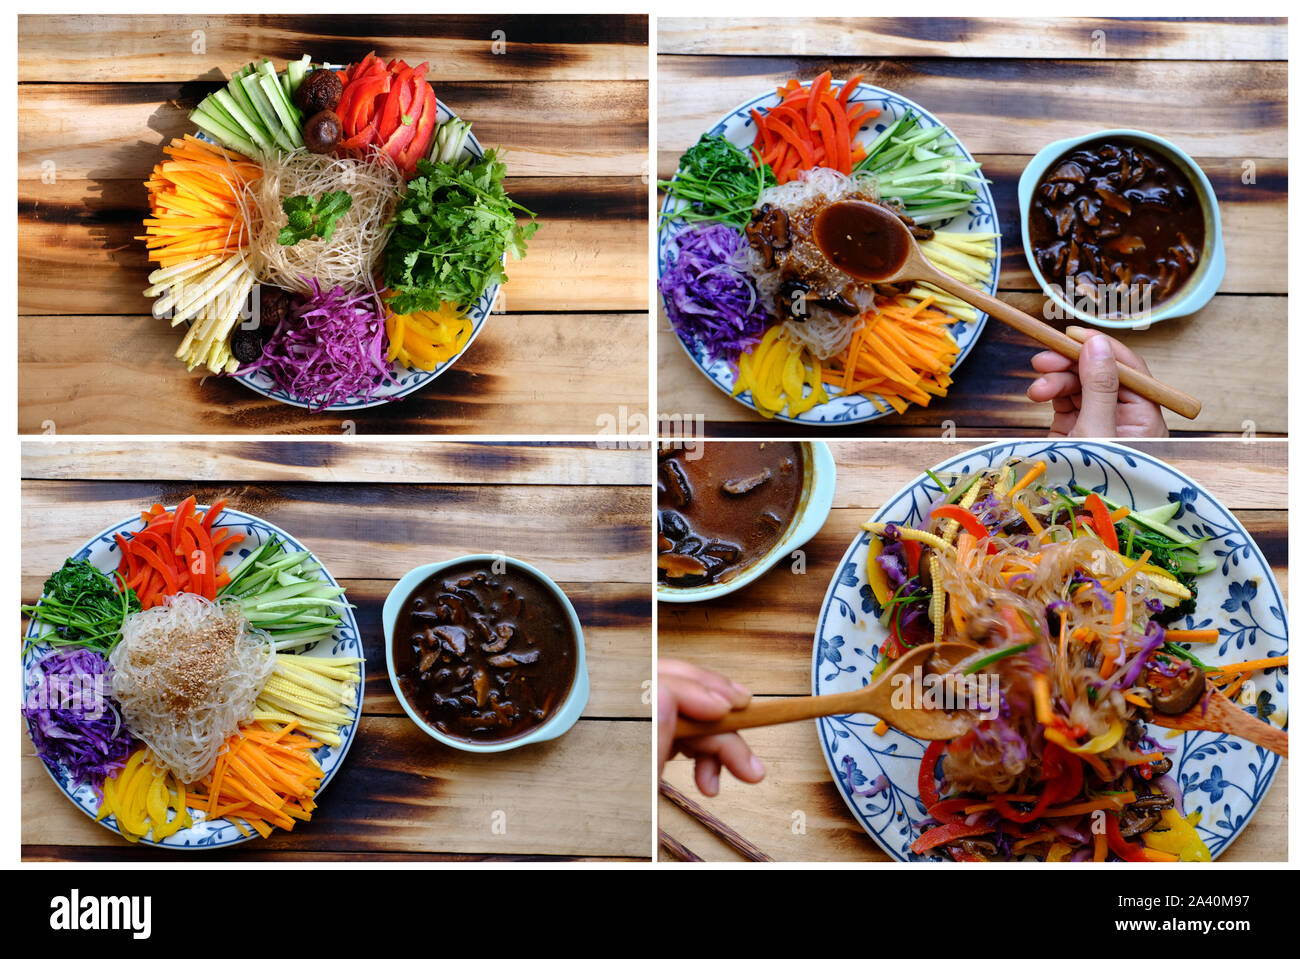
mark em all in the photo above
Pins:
pixel 1087 397
pixel 696 693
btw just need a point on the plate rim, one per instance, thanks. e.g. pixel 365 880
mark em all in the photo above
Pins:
pixel 988 450
pixel 238 839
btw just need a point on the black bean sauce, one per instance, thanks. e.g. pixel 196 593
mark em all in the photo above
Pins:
pixel 484 656
pixel 723 506
pixel 1117 216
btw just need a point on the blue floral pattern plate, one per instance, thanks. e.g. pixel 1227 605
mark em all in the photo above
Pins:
pixel 982 217
pixel 1222 776
pixel 102 551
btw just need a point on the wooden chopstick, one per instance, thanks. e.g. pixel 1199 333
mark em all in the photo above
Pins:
pixel 714 825
pixel 677 849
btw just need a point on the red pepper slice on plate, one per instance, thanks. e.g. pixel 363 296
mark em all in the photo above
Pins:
pixel 945 834
pixel 425 125
pixel 1129 852
pixel 912 550
pixel 1101 521
pixel 965 519
pixel 927 788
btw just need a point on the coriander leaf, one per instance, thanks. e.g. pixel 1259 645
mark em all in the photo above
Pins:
pixel 452 225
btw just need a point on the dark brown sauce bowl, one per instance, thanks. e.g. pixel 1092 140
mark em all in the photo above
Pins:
pixel 810 515
pixel 559 721
pixel 1195 291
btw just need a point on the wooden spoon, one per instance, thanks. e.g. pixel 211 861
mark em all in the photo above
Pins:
pixel 1222 715
pixel 869 242
pixel 874 699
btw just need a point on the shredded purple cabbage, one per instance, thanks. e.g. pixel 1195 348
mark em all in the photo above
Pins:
pixel 1169 787
pixel 328 350
pixel 73 720
pixel 709 299
pixel 1155 639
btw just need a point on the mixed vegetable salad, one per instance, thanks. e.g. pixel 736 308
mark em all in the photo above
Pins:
pixel 87 702
pixel 1069 603
pixel 330 236
pixel 735 281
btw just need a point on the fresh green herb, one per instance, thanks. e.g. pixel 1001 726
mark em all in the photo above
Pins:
pixel 716 181
pixel 84 607
pixel 994 657
pixel 1182 653
pixel 313 218
pixel 938 482
pixel 451 228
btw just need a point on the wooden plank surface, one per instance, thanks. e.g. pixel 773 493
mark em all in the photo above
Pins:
pixel 762 637
pixel 510 46
pixel 1051 38
pixel 580 513
pixel 567 97
pixel 87 374
pixel 1217 88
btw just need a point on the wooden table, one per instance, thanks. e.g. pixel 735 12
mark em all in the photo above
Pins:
pixel 566 96
pixel 1007 89
pixel 762 637
pixel 370 512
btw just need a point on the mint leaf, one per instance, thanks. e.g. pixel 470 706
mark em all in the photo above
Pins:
pixel 313 218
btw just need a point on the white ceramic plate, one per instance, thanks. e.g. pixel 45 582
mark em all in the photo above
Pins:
pixel 981 217
pixel 102 551
pixel 1222 776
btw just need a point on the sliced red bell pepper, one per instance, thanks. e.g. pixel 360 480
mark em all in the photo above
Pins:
pixel 401 138
pixel 966 519
pixel 1129 852
pixel 912 550
pixel 940 835
pixel 359 108
pixel 949 810
pixel 183 512
pixel 212 513
pixel 927 788
pixel 1101 521
pixel 425 126
pixel 388 112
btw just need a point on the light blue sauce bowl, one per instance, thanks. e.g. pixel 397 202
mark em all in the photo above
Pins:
pixel 810 516
pixel 561 720
pixel 1205 279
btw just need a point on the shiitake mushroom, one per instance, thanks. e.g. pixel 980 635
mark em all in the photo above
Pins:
pixel 320 90
pixel 322 132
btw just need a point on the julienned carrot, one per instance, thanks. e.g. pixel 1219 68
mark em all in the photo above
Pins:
pixel 811 126
pixel 899 354
pixel 1192 635
pixel 175 552
pixel 1250 666
pixel 266 778
pixel 194 202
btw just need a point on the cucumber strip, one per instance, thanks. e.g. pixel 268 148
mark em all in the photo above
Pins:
pixel 271 87
pixel 265 111
pixel 295 72
pixel 251 127
pixel 222 133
